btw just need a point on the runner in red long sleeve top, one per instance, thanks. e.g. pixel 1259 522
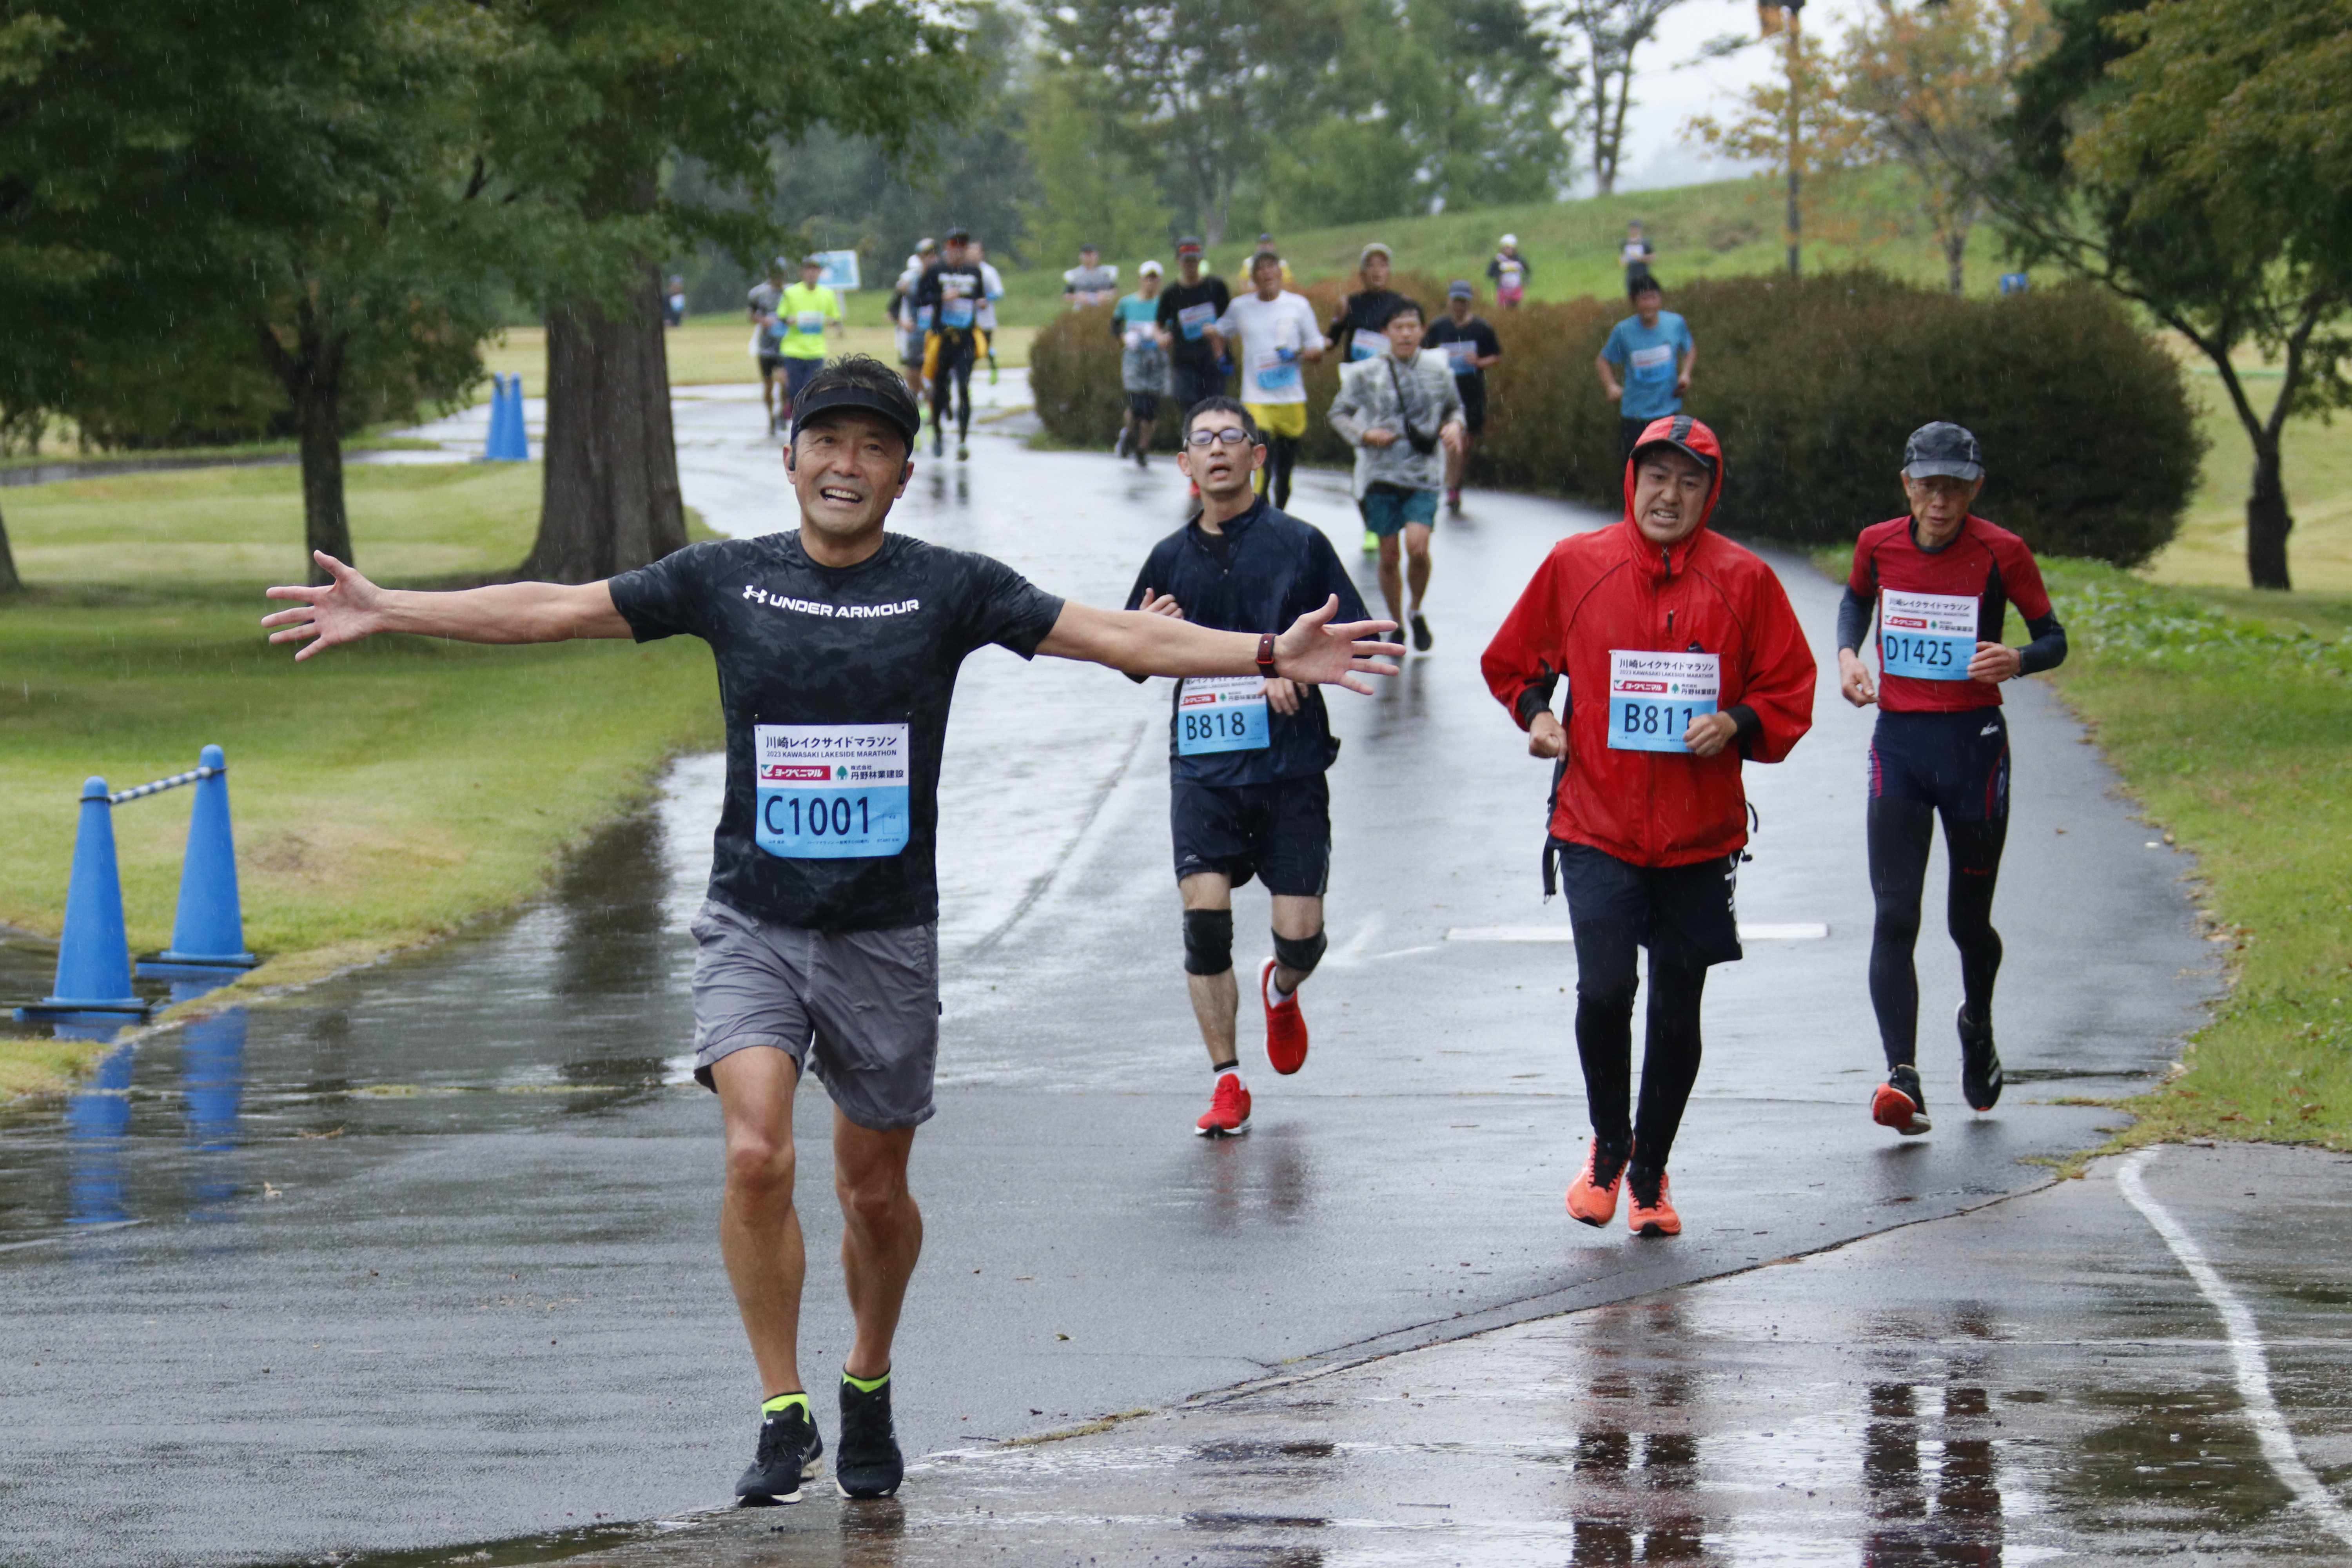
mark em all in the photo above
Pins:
pixel 1683 660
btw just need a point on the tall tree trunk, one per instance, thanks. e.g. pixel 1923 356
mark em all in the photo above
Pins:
pixel 2268 521
pixel 610 498
pixel 313 376
pixel 1956 252
pixel 9 581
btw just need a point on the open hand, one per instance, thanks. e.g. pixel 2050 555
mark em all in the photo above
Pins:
pixel 349 609
pixel 1313 652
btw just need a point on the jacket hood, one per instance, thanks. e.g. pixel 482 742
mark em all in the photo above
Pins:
pixel 1693 435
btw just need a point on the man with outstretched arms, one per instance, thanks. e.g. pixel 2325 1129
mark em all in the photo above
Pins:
pixel 1402 413
pixel 1247 758
pixel 1940 582
pixel 952 292
pixel 1682 661
pixel 1469 344
pixel 838 647
pixel 1142 364
pixel 1189 308
pixel 1278 341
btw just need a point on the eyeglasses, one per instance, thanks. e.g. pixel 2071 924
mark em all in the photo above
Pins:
pixel 1231 434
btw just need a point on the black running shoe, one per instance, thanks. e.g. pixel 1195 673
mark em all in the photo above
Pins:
pixel 938 441
pixel 1980 1063
pixel 1900 1103
pixel 869 1465
pixel 1421 638
pixel 789 1453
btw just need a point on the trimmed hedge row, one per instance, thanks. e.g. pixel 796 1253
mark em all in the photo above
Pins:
pixel 2089 435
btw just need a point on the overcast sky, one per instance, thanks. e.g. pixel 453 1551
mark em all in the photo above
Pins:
pixel 1671 85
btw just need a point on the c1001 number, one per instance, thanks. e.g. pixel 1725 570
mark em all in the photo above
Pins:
pixel 822 815
pixel 1214 724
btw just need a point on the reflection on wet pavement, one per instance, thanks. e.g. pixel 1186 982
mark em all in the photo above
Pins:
pixel 524 1021
pixel 2030 1383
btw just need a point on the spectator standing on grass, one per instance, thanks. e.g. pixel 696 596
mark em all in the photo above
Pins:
pixel 1635 253
pixel 1247 275
pixel 1189 308
pixel 1089 282
pixel 1142 364
pixel 1645 365
pixel 674 302
pixel 1471 349
pixel 1398 410
pixel 1509 272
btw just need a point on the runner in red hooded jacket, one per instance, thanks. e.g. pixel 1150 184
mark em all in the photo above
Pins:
pixel 1683 659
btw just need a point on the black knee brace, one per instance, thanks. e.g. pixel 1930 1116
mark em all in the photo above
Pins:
pixel 1301 954
pixel 1208 942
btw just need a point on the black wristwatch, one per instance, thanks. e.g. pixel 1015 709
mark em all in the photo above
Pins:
pixel 1265 654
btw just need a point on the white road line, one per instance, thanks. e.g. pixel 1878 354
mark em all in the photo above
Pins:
pixel 1796 931
pixel 2246 1354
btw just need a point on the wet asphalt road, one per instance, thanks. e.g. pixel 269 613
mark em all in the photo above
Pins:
pixel 425 1254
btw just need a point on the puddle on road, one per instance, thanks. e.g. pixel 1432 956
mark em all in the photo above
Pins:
pixel 571 1007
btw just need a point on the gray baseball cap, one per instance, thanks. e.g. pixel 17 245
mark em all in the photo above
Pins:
pixel 1942 448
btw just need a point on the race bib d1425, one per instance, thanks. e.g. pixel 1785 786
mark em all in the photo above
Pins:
pixel 831 792
pixel 1221 714
pixel 1927 637
pixel 1654 697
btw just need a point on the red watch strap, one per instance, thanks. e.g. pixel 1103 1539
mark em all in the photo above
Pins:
pixel 1265 654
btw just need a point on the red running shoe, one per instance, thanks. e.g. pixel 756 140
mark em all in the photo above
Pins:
pixel 1653 1213
pixel 1591 1199
pixel 1229 1109
pixel 1285 1026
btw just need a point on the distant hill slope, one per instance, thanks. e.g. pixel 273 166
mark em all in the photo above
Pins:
pixel 1727 228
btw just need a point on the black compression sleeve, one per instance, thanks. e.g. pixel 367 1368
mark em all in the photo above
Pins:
pixel 1744 721
pixel 1536 698
pixel 2048 649
pixel 1853 620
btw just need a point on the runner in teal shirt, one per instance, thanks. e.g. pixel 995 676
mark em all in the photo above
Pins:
pixel 1645 366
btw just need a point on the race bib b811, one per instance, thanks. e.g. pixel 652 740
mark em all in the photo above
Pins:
pixel 1654 697
pixel 1221 714
pixel 1927 637
pixel 831 792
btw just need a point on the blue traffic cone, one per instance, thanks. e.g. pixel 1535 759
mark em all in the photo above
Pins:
pixel 494 444
pixel 208 935
pixel 518 446
pixel 94 957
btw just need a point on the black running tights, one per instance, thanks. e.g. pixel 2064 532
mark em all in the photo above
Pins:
pixel 1606 982
pixel 1282 454
pixel 954 365
pixel 1900 831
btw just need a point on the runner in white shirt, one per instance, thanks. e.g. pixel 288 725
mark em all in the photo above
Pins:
pixel 1279 338
pixel 992 284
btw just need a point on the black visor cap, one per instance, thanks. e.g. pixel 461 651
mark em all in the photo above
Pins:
pixel 899 411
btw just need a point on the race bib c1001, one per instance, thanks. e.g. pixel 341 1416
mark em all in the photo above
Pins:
pixel 1927 637
pixel 1221 714
pixel 1654 697
pixel 831 792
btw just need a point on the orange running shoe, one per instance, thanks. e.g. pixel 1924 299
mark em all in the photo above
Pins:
pixel 1900 1103
pixel 1229 1108
pixel 1285 1026
pixel 1652 1212
pixel 1590 1199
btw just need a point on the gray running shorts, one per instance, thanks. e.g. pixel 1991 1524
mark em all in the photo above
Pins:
pixel 862 1006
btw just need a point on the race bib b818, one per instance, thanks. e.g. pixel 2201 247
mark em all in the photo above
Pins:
pixel 831 792
pixel 1927 637
pixel 1654 697
pixel 1221 714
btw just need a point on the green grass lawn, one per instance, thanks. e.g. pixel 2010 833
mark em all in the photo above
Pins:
pixel 382 794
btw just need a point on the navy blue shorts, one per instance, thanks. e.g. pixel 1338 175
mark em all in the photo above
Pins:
pixel 1957 763
pixel 1279 832
pixel 1693 903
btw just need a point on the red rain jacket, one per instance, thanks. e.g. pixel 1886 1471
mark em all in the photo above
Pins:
pixel 1613 589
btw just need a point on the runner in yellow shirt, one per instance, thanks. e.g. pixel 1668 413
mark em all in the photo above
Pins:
pixel 805 312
